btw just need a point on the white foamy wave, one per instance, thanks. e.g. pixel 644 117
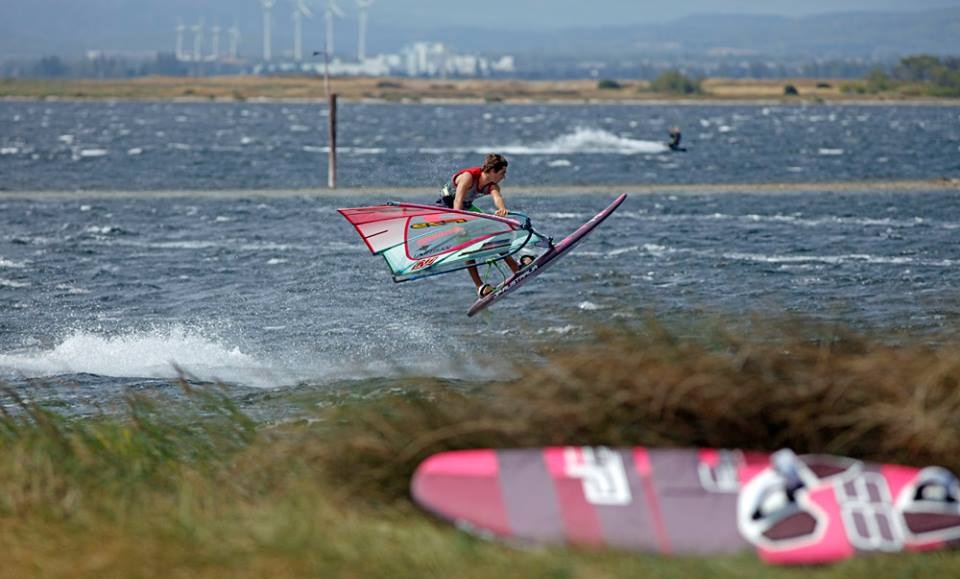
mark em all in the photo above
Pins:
pixel 71 290
pixel 840 259
pixel 143 354
pixel 106 229
pixel 585 140
pixel 794 220
pixel 10 264
pixel 865 221
pixel 560 330
pixel 10 283
pixel 622 250
pixel 625 214
pixel 91 153
pixel 197 244
pixel 345 150
pixel 655 249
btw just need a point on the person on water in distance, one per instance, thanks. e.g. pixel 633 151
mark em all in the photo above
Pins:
pixel 469 184
pixel 674 142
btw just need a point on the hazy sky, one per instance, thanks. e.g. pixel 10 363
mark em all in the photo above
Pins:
pixel 567 13
pixel 66 26
pixel 486 14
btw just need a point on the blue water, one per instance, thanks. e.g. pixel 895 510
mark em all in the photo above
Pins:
pixel 273 289
pixel 135 146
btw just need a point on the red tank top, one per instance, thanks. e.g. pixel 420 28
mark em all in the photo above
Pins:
pixel 474 191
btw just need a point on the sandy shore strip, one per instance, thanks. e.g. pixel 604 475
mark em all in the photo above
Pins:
pixel 425 194
pixel 312 89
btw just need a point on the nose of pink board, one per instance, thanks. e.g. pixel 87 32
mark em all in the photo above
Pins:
pixel 465 483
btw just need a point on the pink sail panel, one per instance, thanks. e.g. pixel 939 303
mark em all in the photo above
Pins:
pixel 421 240
pixel 383 226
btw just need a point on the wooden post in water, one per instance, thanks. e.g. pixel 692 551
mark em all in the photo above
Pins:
pixel 332 139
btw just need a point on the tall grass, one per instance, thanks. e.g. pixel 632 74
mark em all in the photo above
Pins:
pixel 190 486
pixel 837 393
pixel 50 462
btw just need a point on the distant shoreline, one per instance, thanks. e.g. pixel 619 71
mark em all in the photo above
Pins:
pixel 441 91
pixel 917 185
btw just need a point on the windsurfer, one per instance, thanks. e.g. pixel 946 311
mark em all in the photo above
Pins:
pixel 674 142
pixel 469 184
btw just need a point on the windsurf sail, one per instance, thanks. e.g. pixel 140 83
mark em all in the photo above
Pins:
pixel 422 240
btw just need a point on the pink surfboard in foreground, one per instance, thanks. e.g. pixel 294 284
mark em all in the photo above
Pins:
pixel 789 509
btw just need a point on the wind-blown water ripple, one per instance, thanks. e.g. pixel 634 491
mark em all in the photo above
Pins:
pixel 101 293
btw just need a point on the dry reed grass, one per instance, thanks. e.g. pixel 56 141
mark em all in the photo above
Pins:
pixel 773 88
pixel 840 393
pixel 403 89
pixel 193 488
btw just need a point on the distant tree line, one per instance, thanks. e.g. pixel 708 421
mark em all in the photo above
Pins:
pixel 531 67
pixel 913 75
pixel 641 68
pixel 104 66
pixel 675 82
pixel 921 75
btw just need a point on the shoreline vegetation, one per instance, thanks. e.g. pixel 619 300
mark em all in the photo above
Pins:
pixel 185 483
pixel 419 90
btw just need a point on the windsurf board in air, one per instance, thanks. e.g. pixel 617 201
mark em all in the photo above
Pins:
pixel 789 509
pixel 544 260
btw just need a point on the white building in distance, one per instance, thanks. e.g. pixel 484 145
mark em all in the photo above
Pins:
pixel 436 59
pixel 430 59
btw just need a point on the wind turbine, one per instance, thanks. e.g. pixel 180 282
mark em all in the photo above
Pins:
pixel 267 5
pixel 215 45
pixel 234 40
pixel 300 10
pixel 197 40
pixel 331 11
pixel 362 7
pixel 180 29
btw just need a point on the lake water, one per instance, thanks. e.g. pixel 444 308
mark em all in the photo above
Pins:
pixel 275 290
pixel 135 146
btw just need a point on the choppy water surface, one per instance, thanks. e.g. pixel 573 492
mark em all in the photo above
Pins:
pixel 276 291
pixel 132 146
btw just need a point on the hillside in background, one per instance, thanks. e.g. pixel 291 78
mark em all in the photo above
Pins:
pixel 35 29
pixel 841 35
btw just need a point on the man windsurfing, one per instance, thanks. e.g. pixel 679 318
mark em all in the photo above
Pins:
pixel 465 187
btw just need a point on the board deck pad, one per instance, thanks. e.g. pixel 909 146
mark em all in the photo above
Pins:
pixel 544 260
pixel 790 509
